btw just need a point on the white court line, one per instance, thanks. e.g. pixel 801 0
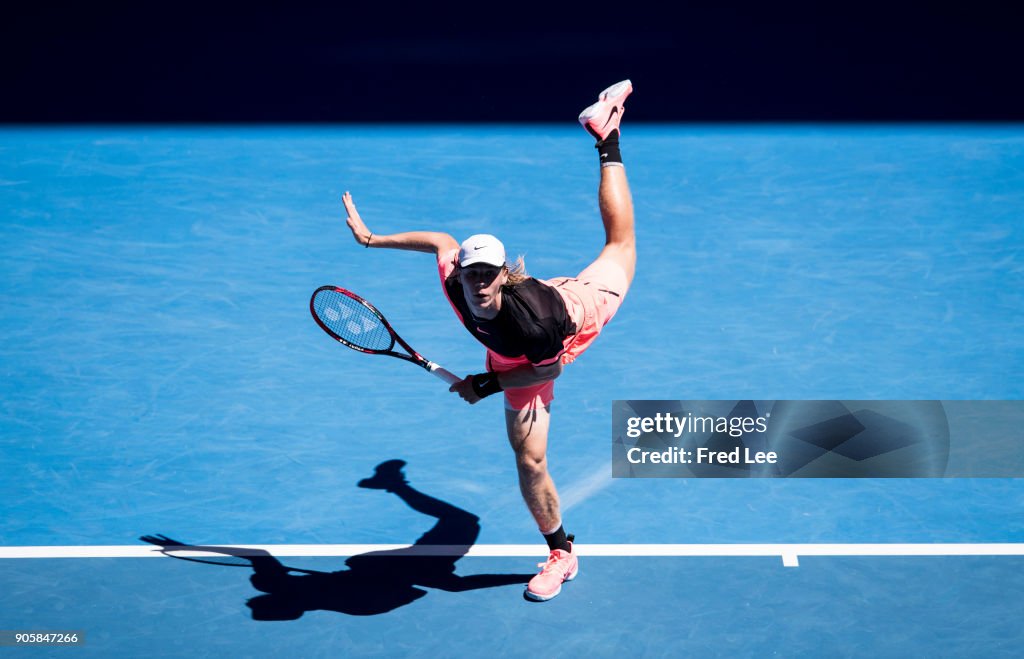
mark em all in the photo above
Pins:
pixel 789 553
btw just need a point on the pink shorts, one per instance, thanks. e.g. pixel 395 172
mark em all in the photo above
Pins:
pixel 591 298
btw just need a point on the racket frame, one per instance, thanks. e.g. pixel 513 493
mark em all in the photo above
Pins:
pixel 413 356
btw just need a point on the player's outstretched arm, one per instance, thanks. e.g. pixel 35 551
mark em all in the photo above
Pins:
pixel 418 241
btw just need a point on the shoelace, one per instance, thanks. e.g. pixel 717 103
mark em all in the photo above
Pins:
pixel 550 564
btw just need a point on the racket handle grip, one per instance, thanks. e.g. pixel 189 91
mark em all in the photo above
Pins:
pixel 443 373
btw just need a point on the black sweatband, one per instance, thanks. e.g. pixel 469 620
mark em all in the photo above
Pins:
pixel 485 384
pixel 608 149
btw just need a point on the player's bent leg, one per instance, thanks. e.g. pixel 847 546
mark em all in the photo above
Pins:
pixel 528 435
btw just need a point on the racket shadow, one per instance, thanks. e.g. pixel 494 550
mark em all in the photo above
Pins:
pixel 374 582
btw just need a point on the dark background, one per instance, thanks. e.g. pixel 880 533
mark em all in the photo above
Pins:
pixel 506 61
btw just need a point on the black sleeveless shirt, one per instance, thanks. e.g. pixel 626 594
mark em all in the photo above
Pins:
pixel 532 321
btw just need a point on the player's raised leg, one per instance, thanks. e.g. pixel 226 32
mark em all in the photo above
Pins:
pixel 602 120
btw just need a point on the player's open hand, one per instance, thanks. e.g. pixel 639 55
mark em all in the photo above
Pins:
pixel 355 223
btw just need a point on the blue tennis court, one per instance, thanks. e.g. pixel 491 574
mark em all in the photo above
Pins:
pixel 161 374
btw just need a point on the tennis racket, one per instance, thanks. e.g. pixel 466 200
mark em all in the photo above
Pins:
pixel 351 320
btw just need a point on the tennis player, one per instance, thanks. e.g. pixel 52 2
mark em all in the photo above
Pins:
pixel 532 328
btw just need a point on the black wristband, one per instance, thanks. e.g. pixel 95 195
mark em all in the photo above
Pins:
pixel 485 384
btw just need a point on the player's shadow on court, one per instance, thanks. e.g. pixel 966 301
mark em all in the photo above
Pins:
pixel 375 582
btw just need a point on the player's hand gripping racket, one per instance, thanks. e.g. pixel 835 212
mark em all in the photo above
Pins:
pixel 353 321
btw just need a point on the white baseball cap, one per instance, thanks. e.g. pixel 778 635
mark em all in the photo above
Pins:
pixel 482 248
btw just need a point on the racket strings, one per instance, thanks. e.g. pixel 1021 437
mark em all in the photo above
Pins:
pixel 352 321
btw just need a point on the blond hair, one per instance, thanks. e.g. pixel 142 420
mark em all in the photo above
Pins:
pixel 516 272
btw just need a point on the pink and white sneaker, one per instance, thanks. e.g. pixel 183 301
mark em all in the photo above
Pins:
pixel 603 117
pixel 562 566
